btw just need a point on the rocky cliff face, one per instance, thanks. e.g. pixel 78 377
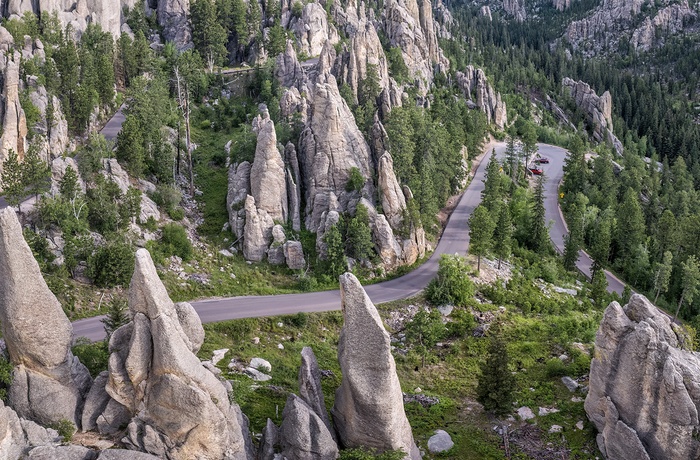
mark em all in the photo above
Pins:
pixel 177 408
pixel 173 18
pixel 14 133
pixel 480 93
pixel 644 388
pixel 368 408
pixel 601 30
pixel 598 110
pixel 49 384
pixel 515 8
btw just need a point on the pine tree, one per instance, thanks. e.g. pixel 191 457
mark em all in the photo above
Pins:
pixel 496 383
pixel 503 234
pixel 68 187
pixel 117 316
pixel 12 181
pixel 574 240
pixel 208 36
pixel 599 287
pixel 335 263
pixel 538 228
pixel 574 170
pixel 481 228
pixel 691 283
pixel 492 195
pixel 36 173
pixel 663 274
pixel 512 157
pixel 359 235
pixel 630 228
pixel 601 239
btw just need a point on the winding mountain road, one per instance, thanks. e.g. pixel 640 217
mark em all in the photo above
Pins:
pixel 454 240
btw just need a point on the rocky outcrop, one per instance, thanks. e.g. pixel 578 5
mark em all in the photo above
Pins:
pixel 238 190
pixel 331 145
pixel 257 232
pixel 561 5
pixel 287 68
pixel 14 122
pixel 598 110
pixel 54 128
pixel 644 389
pixel 485 11
pixel 667 21
pixel 515 8
pixel 173 18
pixel 310 386
pixel 178 408
pixel 18 436
pixel 478 91
pixel 303 434
pixel 293 185
pixel 408 24
pixel 368 408
pixel 390 192
pixel 49 384
pixel 602 29
pixel 267 174
pixel 312 29
pixel 109 15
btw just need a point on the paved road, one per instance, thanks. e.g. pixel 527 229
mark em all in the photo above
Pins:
pixel 114 125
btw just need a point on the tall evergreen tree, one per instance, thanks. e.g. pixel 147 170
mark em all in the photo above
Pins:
pixel 512 157
pixel 502 235
pixel 481 228
pixel 574 240
pixel 599 288
pixel 600 240
pixel 492 195
pixel 208 35
pixel 496 383
pixel 538 228
pixel 335 262
pixel 359 235
pixel 630 228
pixel 12 181
pixel 662 277
pixel 36 173
pixel 574 170
pixel 691 283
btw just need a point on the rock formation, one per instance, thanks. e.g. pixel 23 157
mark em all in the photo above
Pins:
pixel 478 91
pixel 267 175
pixel 287 68
pixel 598 110
pixel 49 384
pixel 368 408
pixel 561 5
pixel 409 25
pixel 644 389
pixel 312 29
pixel 173 18
pixel 238 190
pixel 390 192
pixel 17 436
pixel 331 146
pixel 602 29
pixel 485 11
pixel 515 8
pixel 14 124
pixel 310 386
pixel 178 408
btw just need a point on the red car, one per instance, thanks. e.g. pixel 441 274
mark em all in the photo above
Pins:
pixel 535 171
pixel 543 160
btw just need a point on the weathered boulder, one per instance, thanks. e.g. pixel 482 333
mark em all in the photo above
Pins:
pixel 287 69
pixel 598 110
pixel 390 192
pixel 644 389
pixel 368 408
pixel 95 402
pixel 49 384
pixel 294 255
pixel 59 166
pixel 293 185
pixel 476 88
pixel 173 17
pixel 238 190
pixel 310 386
pixel 178 408
pixel 303 434
pixel 56 135
pixel 257 233
pixel 275 253
pixel 19 435
pixel 267 174
pixel 313 30
pixel 269 442
pixel 515 8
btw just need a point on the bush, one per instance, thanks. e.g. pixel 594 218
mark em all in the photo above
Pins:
pixel 451 285
pixel 177 214
pixel 174 242
pixel 94 356
pixel 355 181
pixel 307 283
pixel 111 265
pixel 65 429
pixel 555 368
pixel 299 320
pixel 5 377
pixel 167 196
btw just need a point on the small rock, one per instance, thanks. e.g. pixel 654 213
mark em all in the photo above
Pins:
pixel 256 340
pixel 257 375
pixel 418 390
pixel 226 253
pixel 570 383
pixel 280 324
pixel 261 364
pixel 576 399
pixel 562 290
pixel 563 357
pixel 280 346
pixel 445 310
pixel 579 425
pixel 440 442
pixel 218 355
pixel 546 411
pixel 525 413
pixel 555 429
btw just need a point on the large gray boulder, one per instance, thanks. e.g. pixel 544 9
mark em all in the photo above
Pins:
pixel 303 434
pixel 644 389
pixel 310 386
pixel 257 232
pixel 49 384
pixel 179 409
pixel 17 435
pixel 238 190
pixel 368 408
pixel 390 192
pixel 173 17
pixel 14 121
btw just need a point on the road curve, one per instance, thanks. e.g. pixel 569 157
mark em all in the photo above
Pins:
pixel 455 240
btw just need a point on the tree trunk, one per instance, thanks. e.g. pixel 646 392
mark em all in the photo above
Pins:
pixel 478 264
pixel 499 263
pixel 187 144
pixel 658 291
pixel 678 310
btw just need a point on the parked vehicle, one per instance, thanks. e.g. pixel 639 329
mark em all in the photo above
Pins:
pixel 543 160
pixel 535 170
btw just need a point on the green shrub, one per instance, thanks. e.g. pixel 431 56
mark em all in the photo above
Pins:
pixel 461 324
pixel 177 214
pixel 167 196
pixel 362 453
pixel 299 320
pixel 355 181
pixel 94 356
pixel 151 225
pixel 65 429
pixel 5 377
pixel 451 285
pixel 297 9
pixel 555 368
pixel 174 242
pixel 111 265
pixel 307 283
